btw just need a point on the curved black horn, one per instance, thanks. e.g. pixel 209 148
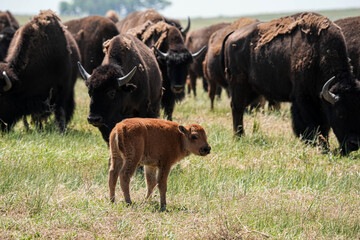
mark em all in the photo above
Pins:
pixel 198 53
pixel 124 80
pixel 83 72
pixel 326 94
pixel 8 85
pixel 164 55
pixel 185 30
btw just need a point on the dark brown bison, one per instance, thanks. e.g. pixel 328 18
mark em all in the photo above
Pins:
pixel 90 33
pixel 138 18
pixel 301 59
pixel 195 40
pixel 8 27
pixel 39 73
pixel 117 90
pixel 173 58
pixel 351 29
pixel 156 144
pixel 213 67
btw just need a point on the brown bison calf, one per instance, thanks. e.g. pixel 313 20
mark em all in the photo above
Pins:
pixel 156 144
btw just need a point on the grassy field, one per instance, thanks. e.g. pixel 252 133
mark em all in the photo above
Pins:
pixel 265 185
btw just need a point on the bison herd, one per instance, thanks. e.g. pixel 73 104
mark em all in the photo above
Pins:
pixel 134 66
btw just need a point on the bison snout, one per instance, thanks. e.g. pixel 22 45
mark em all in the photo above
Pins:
pixel 205 150
pixel 177 88
pixel 95 120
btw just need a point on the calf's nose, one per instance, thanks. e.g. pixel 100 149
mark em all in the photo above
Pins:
pixel 206 149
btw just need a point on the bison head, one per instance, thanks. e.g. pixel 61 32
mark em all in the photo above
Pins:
pixel 108 89
pixel 177 63
pixel 343 112
pixel 8 78
pixel 195 139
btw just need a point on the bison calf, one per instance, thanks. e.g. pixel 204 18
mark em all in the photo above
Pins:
pixel 156 144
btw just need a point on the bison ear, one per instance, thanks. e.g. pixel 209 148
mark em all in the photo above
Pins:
pixel 129 87
pixel 182 129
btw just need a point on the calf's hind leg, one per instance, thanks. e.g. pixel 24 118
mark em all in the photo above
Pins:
pixel 150 175
pixel 116 164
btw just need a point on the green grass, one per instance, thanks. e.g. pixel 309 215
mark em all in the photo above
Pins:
pixel 266 184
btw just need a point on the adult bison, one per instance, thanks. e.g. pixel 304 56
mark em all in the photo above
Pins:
pixel 195 40
pixel 351 29
pixel 213 67
pixel 138 18
pixel 39 73
pixel 173 58
pixel 301 59
pixel 8 27
pixel 117 90
pixel 90 33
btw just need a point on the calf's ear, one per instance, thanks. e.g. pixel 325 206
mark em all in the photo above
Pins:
pixel 182 129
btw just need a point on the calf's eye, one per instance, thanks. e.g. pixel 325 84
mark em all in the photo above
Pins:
pixel 193 137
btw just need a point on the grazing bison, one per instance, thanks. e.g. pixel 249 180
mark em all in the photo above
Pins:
pixel 39 73
pixel 138 18
pixel 173 58
pixel 90 33
pixel 301 59
pixel 213 67
pixel 351 29
pixel 117 90
pixel 156 144
pixel 195 40
pixel 8 27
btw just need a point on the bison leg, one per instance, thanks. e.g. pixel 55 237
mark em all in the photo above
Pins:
pixel 193 83
pixel 162 183
pixel 60 118
pixel 150 175
pixel 205 84
pixel 212 91
pixel 116 163
pixel 307 122
pixel 239 101
pixel 70 106
pixel 168 103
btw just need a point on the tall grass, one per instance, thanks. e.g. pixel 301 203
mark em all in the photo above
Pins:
pixel 265 184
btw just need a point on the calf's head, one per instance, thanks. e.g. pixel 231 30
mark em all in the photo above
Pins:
pixel 195 139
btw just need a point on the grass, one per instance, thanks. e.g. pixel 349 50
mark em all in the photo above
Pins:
pixel 267 184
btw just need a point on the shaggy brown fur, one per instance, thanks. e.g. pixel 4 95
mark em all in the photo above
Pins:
pixel 138 18
pixel 156 144
pixel 351 29
pixel 195 40
pixel 90 33
pixel 309 23
pixel 212 65
pixel 112 15
pixel 7 20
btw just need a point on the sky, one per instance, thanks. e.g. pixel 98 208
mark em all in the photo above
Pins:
pixel 202 8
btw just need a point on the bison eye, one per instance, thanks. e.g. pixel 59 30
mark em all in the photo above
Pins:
pixel 111 94
pixel 194 137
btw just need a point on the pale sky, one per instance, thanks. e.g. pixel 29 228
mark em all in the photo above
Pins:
pixel 202 8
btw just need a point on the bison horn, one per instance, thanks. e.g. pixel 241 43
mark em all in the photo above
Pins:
pixel 326 94
pixel 198 53
pixel 184 31
pixel 124 80
pixel 83 72
pixel 8 85
pixel 164 55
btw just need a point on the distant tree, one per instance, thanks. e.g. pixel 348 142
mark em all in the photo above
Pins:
pixel 123 7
